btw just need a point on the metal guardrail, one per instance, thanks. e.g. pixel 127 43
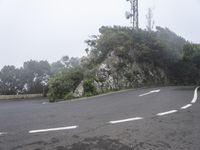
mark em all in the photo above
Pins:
pixel 23 96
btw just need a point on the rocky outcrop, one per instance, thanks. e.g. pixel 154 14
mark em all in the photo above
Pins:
pixel 79 91
pixel 105 80
pixel 115 73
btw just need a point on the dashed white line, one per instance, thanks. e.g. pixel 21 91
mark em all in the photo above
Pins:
pixel 154 91
pixel 186 106
pixel 126 120
pixel 3 133
pixel 166 113
pixel 194 100
pixel 53 129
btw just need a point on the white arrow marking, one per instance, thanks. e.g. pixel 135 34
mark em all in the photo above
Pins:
pixel 166 113
pixel 194 100
pixel 126 120
pixel 154 91
pixel 53 129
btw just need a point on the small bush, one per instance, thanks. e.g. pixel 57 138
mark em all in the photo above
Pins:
pixel 88 94
pixel 63 83
pixel 69 96
pixel 50 97
pixel 89 88
pixel 99 79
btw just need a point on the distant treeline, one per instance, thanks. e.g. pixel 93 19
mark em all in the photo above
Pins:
pixel 33 77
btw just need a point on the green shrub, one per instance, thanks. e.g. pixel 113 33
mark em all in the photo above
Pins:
pixel 99 79
pixel 69 96
pixel 88 94
pixel 89 88
pixel 63 83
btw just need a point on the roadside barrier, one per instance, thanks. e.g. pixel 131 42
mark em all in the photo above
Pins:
pixel 23 96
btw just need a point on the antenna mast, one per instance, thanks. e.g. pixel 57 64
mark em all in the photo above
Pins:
pixel 133 15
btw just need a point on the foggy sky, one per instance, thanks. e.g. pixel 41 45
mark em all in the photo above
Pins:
pixel 50 29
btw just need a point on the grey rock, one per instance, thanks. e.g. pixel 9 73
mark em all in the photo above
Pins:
pixel 134 74
pixel 79 91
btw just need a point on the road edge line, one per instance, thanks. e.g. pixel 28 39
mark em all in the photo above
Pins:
pixel 167 113
pixel 194 100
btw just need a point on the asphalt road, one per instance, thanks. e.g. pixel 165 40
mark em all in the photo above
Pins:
pixel 163 118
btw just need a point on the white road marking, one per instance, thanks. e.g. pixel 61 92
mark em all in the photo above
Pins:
pixel 3 133
pixel 154 91
pixel 186 106
pixel 166 113
pixel 194 100
pixel 44 103
pixel 126 120
pixel 53 129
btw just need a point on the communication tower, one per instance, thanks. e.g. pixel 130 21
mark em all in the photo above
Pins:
pixel 133 14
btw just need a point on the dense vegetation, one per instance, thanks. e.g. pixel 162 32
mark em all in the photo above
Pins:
pixel 162 56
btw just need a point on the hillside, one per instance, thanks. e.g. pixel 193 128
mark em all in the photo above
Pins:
pixel 120 58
